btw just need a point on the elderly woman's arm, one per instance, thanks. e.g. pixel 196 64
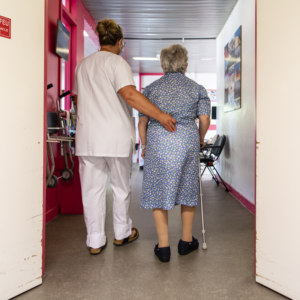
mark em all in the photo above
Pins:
pixel 204 122
pixel 143 125
pixel 204 111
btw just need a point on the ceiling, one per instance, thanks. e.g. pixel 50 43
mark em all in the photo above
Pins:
pixel 149 26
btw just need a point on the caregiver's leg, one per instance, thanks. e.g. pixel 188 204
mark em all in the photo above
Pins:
pixel 93 176
pixel 120 175
pixel 187 218
pixel 161 222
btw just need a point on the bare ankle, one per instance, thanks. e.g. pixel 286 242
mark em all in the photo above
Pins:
pixel 163 245
pixel 187 238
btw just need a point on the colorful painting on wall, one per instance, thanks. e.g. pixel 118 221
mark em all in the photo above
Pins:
pixel 232 78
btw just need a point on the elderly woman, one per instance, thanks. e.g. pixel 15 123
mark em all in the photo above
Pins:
pixel 171 166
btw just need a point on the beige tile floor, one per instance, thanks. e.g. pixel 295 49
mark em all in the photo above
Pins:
pixel 224 271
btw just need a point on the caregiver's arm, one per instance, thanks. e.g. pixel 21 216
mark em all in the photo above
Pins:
pixel 204 122
pixel 138 101
pixel 143 125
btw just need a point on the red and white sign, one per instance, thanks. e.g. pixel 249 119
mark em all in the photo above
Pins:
pixel 5 27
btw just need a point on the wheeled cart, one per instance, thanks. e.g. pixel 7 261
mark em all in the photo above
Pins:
pixel 66 173
pixel 52 122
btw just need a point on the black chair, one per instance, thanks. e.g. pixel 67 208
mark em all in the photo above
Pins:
pixel 205 152
pixel 210 160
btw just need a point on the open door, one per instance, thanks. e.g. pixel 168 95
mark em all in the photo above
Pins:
pixel 22 146
pixel 278 163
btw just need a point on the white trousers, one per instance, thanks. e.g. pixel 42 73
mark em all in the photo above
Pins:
pixel 93 176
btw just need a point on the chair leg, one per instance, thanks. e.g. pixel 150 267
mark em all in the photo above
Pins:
pixel 203 171
pixel 226 188
pixel 213 176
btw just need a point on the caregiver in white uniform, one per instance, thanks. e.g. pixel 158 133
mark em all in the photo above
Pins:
pixel 105 135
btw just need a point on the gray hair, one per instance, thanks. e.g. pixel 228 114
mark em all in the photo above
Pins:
pixel 174 59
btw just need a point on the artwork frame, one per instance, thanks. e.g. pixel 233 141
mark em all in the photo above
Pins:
pixel 233 72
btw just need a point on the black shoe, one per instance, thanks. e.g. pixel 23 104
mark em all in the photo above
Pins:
pixel 163 254
pixel 185 248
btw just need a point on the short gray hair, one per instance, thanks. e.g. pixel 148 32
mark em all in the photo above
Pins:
pixel 174 59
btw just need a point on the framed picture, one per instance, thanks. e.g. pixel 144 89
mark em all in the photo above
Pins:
pixel 233 74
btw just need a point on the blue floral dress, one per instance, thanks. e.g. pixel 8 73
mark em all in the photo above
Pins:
pixel 171 166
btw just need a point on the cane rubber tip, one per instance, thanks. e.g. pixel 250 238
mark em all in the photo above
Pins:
pixel 204 246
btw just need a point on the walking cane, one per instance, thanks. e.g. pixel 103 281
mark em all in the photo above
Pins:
pixel 204 246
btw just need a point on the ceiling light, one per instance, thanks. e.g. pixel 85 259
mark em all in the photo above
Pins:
pixel 206 59
pixel 85 33
pixel 145 58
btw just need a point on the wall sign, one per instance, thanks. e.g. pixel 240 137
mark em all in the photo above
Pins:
pixel 5 27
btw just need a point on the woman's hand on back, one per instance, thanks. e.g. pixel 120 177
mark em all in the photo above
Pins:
pixel 167 121
pixel 138 101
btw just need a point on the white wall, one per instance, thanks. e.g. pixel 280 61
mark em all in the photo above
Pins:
pixel 89 47
pixel 208 80
pixel 136 78
pixel 237 162
pixel 278 122
pixel 148 79
pixel 21 159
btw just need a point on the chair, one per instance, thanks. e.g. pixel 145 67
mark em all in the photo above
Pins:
pixel 214 139
pixel 211 159
pixel 205 152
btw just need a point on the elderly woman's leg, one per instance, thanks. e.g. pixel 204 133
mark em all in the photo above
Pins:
pixel 161 222
pixel 187 218
pixel 188 243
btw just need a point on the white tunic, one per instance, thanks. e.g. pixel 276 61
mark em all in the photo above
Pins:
pixel 105 126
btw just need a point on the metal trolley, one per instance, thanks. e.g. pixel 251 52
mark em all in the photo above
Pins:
pixel 63 138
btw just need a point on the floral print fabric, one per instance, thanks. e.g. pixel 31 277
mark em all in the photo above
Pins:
pixel 171 166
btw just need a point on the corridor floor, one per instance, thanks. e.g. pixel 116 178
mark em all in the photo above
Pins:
pixel 224 271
